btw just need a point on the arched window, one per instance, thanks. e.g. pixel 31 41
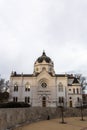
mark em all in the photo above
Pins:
pixel 61 99
pixel 15 87
pixel 60 87
pixel 77 91
pixel 78 99
pixel 43 101
pixel 27 99
pixel 74 90
pixel 27 87
pixel 43 68
pixel 15 99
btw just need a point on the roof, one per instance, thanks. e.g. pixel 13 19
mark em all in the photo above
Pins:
pixel 14 74
pixel 24 75
pixel 43 57
pixel 70 76
pixel 75 81
pixel 60 75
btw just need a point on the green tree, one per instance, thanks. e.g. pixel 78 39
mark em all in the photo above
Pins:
pixel 4 96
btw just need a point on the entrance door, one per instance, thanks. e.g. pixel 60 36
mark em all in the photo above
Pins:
pixel 44 102
pixel 70 103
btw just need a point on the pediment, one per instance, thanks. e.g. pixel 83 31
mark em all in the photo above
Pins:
pixel 44 75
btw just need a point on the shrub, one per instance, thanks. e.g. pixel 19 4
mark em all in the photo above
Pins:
pixel 14 105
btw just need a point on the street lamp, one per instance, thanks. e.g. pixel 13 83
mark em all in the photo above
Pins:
pixel 81 107
pixel 62 112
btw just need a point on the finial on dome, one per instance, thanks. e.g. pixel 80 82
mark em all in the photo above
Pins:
pixel 44 54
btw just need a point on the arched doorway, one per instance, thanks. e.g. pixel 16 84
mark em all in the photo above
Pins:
pixel 70 103
pixel 43 101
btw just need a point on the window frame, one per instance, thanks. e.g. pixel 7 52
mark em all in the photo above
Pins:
pixel 60 87
pixel 27 87
pixel 15 87
pixel 27 99
pixel 15 99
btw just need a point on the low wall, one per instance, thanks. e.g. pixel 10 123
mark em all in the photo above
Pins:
pixel 12 117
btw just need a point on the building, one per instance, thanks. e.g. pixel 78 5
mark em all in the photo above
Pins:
pixel 44 87
pixel 84 96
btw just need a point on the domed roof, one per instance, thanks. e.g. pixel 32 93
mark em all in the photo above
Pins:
pixel 44 57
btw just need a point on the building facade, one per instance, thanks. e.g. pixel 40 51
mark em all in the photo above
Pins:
pixel 44 87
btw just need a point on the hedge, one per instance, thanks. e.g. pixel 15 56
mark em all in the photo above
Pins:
pixel 14 105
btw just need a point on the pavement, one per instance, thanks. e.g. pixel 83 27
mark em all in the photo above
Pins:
pixel 73 123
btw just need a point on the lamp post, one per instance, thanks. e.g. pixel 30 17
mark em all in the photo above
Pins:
pixel 62 112
pixel 81 107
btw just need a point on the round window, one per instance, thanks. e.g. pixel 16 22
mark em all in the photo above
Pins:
pixel 44 85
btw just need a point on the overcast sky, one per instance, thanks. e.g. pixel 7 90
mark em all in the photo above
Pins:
pixel 27 27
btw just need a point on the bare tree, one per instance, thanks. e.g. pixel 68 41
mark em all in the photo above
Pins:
pixel 82 80
pixel 4 85
pixel 4 94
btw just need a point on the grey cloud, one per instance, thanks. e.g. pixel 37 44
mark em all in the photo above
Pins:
pixel 27 27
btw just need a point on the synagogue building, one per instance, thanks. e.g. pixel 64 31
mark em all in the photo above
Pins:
pixel 44 87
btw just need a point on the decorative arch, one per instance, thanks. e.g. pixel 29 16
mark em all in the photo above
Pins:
pixel 43 83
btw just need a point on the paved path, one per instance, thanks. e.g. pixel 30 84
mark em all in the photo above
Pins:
pixel 54 124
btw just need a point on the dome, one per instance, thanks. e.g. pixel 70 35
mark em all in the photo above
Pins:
pixel 44 57
pixel 44 63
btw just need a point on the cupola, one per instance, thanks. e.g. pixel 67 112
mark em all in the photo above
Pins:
pixel 44 63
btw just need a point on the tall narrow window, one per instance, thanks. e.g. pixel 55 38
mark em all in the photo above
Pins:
pixel 77 91
pixel 61 99
pixel 74 90
pixel 43 101
pixel 27 87
pixel 60 87
pixel 15 99
pixel 78 99
pixel 16 87
pixel 27 99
